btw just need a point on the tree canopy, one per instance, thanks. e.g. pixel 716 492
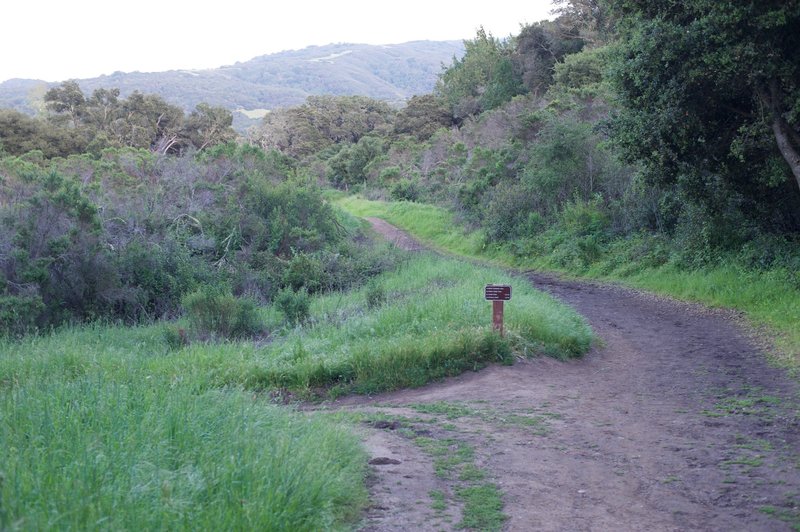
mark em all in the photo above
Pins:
pixel 76 124
pixel 711 89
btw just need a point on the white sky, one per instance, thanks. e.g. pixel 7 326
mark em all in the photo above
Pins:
pixel 56 40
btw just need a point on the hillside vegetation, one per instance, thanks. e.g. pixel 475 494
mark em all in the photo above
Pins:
pixel 164 281
pixel 598 145
pixel 166 425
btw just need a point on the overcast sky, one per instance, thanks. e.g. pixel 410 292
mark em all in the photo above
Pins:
pixel 56 40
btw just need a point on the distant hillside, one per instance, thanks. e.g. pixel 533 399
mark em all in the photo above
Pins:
pixel 389 72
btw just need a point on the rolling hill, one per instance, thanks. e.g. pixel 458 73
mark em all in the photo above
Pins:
pixel 389 72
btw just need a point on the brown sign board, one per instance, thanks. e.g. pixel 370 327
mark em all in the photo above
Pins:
pixel 497 292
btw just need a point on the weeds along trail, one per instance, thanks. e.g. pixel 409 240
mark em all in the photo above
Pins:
pixel 676 422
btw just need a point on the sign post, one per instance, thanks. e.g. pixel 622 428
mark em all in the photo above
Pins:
pixel 497 293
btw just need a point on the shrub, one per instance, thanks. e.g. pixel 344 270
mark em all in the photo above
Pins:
pixel 295 305
pixel 175 337
pixel 390 173
pixel 405 190
pixel 511 212
pixel 156 276
pixel 376 295
pixel 305 271
pixel 585 218
pixel 19 314
pixel 212 312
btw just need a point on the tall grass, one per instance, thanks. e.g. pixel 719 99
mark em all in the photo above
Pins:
pixel 89 453
pixel 98 430
pixel 105 427
pixel 768 298
pixel 434 322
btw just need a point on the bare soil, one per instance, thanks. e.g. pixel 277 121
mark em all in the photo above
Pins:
pixel 675 421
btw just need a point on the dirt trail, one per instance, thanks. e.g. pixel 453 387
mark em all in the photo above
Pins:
pixel 675 422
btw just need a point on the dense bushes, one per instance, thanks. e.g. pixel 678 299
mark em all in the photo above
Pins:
pixel 542 173
pixel 128 234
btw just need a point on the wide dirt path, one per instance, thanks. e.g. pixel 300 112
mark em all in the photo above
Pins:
pixel 674 422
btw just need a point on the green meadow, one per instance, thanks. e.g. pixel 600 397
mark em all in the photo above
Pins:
pixel 111 427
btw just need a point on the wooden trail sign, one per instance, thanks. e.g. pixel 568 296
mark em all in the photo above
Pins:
pixel 497 293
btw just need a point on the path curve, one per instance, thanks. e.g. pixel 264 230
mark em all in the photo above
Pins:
pixel 676 422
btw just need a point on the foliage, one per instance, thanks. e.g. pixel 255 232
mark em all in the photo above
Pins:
pixel 208 126
pixel 322 122
pixel 294 304
pixel 405 190
pixel 77 124
pixel 584 73
pixel 483 79
pixel 98 432
pixel 422 116
pixel 128 235
pixel 213 312
pixel 349 166
pixel 20 134
pixel 710 91
pixel 539 47
pixel 19 314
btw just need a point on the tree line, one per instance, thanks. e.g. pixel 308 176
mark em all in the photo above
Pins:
pixel 647 133
pixel 75 123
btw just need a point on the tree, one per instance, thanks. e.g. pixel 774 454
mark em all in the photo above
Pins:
pixel 67 100
pixel 102 108
pixel 147 121
pixel 322 122
pixel 349 166
pixel 208 125
pixel 539 47
pixel 712 89
pixel 422 117
pixel 20 134
pixel 591 18
pixel 484 78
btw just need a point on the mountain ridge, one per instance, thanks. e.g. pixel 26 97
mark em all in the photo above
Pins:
pixel 391 72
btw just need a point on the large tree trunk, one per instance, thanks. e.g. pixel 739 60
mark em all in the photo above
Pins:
pixel 785 136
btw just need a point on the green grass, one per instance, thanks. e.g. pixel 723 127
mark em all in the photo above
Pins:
pixel 768 298
pixel 433 324
pixel 454 461
pixel 790 515
pixel 433 225
pixel 537 424
pixel 109 427
pixel 438 503
pixel 85 451
pixel 483 507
